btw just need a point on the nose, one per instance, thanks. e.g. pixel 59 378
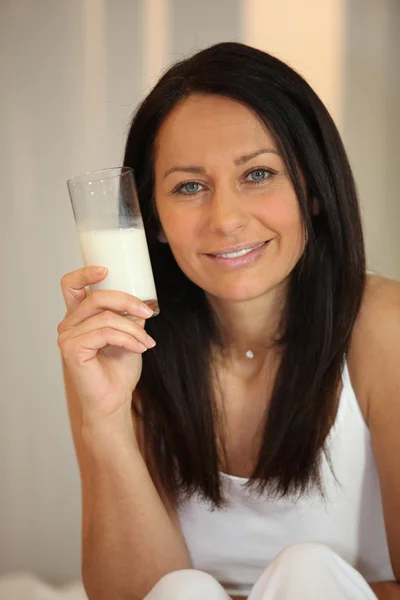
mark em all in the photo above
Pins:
pixel 227 212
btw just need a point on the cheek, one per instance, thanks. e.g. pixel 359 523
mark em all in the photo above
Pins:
pixel 179 230
pixel 181 236
pixel 285 218
pixel 283 214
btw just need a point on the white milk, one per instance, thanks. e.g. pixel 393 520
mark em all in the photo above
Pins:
pixel 124 252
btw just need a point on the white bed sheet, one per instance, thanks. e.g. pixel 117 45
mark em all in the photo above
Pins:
pixel 26 586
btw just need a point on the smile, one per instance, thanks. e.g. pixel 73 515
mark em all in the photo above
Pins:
pixel 240 258
pixel 240 252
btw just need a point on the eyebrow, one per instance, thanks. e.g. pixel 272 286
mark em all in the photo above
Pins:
pixel 238 161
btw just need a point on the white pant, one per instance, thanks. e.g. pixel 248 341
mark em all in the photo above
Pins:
pixel 306 571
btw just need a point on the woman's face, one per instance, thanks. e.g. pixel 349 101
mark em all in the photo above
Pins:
pixel 219 184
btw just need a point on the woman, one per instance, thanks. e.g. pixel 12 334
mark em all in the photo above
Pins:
pixel 254 450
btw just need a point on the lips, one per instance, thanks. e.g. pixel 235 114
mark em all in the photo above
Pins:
pixel 243 252
pixel 240 261
pixel 237 248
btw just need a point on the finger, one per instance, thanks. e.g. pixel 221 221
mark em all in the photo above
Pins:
pixel 100 300
pixel 73 284
pixel 110 319
pixel 84 348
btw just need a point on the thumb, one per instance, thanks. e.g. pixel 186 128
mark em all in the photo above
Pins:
pixel 73 284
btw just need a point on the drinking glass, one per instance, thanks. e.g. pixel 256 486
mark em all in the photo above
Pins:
pixel 111 232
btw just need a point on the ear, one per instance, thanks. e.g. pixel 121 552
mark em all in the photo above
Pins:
pixel 162 237
pixel 314 207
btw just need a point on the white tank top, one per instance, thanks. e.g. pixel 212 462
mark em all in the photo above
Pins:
pixel 236 544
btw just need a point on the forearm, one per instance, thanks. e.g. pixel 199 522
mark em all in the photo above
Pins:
pixel 386 590
pixel 130 540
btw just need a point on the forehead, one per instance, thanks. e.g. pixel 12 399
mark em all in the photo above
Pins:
pixel 210 124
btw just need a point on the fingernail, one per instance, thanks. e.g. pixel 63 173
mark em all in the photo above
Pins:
pixel 151 341
pixel 146 310
pixel 100 270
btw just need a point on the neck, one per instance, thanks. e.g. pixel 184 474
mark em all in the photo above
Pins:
pixel 250 326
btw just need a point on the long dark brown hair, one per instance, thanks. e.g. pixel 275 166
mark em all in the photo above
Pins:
pixel 325 289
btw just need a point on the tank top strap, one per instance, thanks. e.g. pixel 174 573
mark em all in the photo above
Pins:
pixel 348 402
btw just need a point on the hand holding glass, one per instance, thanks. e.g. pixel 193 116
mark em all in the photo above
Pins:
pixel 111 231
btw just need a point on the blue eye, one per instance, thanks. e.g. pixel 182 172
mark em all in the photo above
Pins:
pixel 190 188
pixel 258 175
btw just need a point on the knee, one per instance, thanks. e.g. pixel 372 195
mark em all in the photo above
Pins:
pixel 304 555
pixel 187 584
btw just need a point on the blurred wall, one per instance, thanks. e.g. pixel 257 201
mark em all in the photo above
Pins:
pixel 349 51
pixel 72 73
pixel 371 123
pixel 307 35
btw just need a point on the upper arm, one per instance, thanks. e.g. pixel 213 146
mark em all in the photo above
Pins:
pixel 378 340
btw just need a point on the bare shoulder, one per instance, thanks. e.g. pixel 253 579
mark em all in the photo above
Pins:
pixel 379 311
pixel 374 353
pixel 379 288
pixel 379 315
pixel 375 358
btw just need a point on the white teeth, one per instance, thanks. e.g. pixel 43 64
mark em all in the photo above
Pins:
pixel 240 252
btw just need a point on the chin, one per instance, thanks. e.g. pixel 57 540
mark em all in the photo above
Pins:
pixel 251 289
pixel 240 293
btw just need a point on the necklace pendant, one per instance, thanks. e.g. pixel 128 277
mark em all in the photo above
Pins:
pixel 249 354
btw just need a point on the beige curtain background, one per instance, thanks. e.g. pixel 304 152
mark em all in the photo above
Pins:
pixel 71 75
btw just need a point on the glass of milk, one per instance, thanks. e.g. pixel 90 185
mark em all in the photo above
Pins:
pixel 111 232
